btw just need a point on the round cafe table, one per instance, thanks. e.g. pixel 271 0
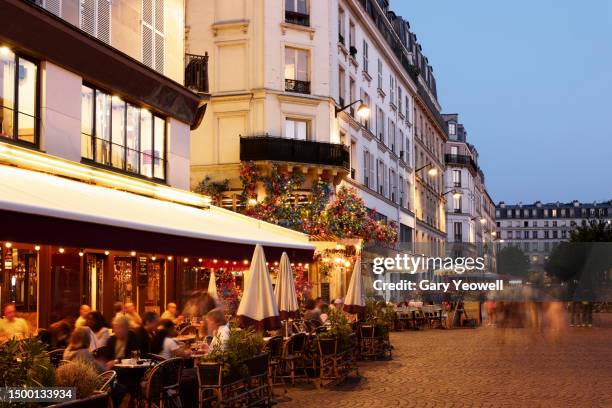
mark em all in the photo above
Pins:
pixel 131 374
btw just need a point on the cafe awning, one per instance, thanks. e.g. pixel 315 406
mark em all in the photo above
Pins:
pixel 46 209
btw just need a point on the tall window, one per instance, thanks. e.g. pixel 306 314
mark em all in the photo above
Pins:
pixel 380 74
pixel 120 135
pixel 452 129
pixel 341 86
pixel 18 97
pixel 297 129
pixel 341 25
pixel 297 12
pixel 399 99
pixel 457 204
pixel 454 150
pixel 380 124
pixel 297 77
pixel 95 18
pixel 407 107
pixel 351 96
pixel 401 191
pixel 392 135
pixel 458 232
pixel 456 178
pixel 380 177
pixel 153 36
pixel 392 89
pixel 366 168
pixel 365 56
pixel 351 34
pixel 365 120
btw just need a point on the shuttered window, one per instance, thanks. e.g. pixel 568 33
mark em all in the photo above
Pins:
pixel 153 34
pixel 95 18
pixel 54 6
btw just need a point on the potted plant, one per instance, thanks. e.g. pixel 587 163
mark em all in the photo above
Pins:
pixel 25 363
pixel 79 374
pixel 241 345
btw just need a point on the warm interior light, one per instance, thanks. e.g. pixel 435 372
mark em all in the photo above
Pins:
pixel 153 258
pixel 494 233
pixel 37 247
pixel 169 258
pixel 81 253
pixel 252 201
pixel 215 261
pixel 61 250
pixel 245 262
pixel 185 260
pixel 106 253
pixel 8 245
pixel 133 253
pixel 226 262
pixel 199 259
pixel 275 263
pixel 363 111
pixel 433 171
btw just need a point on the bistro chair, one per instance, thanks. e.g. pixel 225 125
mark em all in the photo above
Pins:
pixel 294 355
pixel 328 359
pixel 257 386
pixel 274 346
pixel 368 342
pixel 106 381
pixel 101 352
pixel 214 389
pixel 152 388
pixel 56 356
pixel 172 370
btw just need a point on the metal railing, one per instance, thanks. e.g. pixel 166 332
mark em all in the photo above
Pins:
pixel 257 148
pixel 293 17
pixel 293 85
pixel 196 72
pixel 461 159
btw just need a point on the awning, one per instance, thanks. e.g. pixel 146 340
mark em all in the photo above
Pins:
pixel 47 209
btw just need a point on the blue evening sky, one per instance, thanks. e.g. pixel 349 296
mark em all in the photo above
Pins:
pixel 532 82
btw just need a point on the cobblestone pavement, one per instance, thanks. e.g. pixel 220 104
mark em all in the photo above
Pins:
pixel 484 367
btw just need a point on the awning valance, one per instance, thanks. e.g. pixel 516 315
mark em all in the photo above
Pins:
pixel 42 208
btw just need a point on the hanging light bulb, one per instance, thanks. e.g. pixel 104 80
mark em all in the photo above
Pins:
pixel 186 260
pixel 199 259
pixel 37 247
pixel 170 258
pixel 133 253
pixel 107 253
pixel 153 258
pixel 81 253
pixel 61 250
pixel 215 261
pixel 8 244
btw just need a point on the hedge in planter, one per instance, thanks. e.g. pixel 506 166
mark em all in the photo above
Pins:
pixel 241 345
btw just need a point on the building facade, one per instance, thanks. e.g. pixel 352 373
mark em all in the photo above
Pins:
pixel 94 163
pixel 289 80
pixel 536 228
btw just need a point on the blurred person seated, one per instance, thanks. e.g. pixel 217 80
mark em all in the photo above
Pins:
pixel 11 326
pixel 218 329
pixel 164 344
pixel 59 334
pixel 99 327
pixel 198 304
pixel 122 343
pixel 171 314
pixel 84 310
pixel 118 309
pixel 311 311
pixel 146 332
pixel 129 310
pixel 78 348
pixel 324 312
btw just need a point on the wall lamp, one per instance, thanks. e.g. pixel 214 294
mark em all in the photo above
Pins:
pixel 432 172
pixel 363 111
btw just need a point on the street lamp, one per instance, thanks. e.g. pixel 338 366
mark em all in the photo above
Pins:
pixel 363 111
pixel 482 220
pixel 432 172
pixel 456 193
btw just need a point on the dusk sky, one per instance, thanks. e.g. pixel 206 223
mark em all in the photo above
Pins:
pixel 532 83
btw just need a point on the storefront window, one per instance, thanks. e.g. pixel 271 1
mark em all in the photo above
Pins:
pixel 66 284
pixel 122 276
pixel 152 292
pixel 94 276
pixel 122 136
pixel 18 97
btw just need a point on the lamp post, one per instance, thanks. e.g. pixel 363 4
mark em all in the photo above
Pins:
pixel 432 172
pixel 363 111
pixel 456 193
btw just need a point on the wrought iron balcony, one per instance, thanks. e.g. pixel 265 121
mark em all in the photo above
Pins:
pixel 293 17
pixel 258 148
pixel 461 159
pixel 196 72
pixel 293 85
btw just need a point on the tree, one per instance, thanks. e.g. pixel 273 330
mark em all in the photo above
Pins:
pixel 512 261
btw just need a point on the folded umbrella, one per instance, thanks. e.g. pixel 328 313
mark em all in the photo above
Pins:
pixel 284 291
pixel 354 302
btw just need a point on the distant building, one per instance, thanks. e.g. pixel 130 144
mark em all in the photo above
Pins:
pixel 537 227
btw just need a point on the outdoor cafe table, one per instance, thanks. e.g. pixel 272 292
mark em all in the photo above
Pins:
pixel 130 374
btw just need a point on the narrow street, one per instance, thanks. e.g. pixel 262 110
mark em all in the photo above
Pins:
pixel 485 367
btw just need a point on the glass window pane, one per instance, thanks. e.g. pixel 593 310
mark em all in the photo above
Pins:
pixel 160 148
pixel 103 147
pixel 289 129
pixel 86 147
pixel 289 5
pixel 146 141
pixel 6 122
pixel 27 87
pixel 301 130
pixel 118 132
pixel 87 110
pixel 133 138
pixel 302 65
pixel 7 78
pixel 26 128
pixel 289 63
pixel 302 6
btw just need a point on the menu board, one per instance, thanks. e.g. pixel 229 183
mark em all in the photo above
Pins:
pixel 325 291
pixel 143 273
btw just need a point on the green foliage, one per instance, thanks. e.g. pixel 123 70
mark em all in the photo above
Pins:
pixel 213 189
pixel 25 363
pixel 512 261
pixel 593 231
pixel 340 328
pixel 241 345
pixel 79 374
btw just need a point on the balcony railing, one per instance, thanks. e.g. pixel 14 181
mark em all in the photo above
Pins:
pixel 293 85
pixel 462 160
pixel 293 17
pixel 196 72
pixel 259 148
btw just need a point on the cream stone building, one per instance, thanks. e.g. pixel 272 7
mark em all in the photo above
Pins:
pixel 288 82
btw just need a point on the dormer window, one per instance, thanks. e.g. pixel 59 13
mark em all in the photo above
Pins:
pixel 452 129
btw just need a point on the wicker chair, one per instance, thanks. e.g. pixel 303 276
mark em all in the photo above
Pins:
pixel 106 381
pixel 329 360
pixel 274 346
pixel 258 387
pixel 294 356
pixel 160 386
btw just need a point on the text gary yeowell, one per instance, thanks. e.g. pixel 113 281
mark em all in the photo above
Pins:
pixel 409 264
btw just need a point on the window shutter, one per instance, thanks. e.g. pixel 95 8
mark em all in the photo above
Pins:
pixel 54 6
pixel 103 29
pixel 153 48
pixel 88 17
pixel 372 179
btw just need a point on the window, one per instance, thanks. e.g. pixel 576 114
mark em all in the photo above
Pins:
pixel 392 135
pixel 401 191
pixel 380 177
pixel 555 234
pixel 297 12
pixel 297 129
pixel 407 150
pixel 120 135
pixel 351 96
pixel 365 56
pixel 452 129
pixel 341 87
pixel 534 234
pixel 392 89
pixel 365 120
pixel 399 99
pixel 564 234
pixel 546 234
pixel 526 234
pixel 457 204
pixel 366 168
pixel 95 18
pixel 18 97
pixel 341 32
pixel 380 124
pixel 392 186
pixel 458 231
pixel 380 74
pixel 454 150
pixel 153 34
pixel 351 35
pixel 456 178
pixel 407 107
pixel 525 223
pixel 296 70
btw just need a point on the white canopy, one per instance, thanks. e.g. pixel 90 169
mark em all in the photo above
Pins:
pixel 36 193
pixel 284 291
pixel 355 299
pixel 258 306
